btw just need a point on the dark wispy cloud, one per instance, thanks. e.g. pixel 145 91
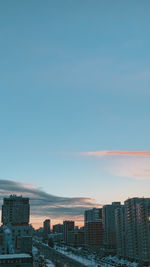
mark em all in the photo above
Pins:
pixel 44 204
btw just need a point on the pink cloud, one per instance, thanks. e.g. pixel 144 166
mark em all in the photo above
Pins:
pixel 132 164
pixel 141 175
pixel 133 167
pixel 146 170
pixel 115 153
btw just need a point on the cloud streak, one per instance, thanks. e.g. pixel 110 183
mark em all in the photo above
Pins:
pixel 132 164
pixel 134 167
pixel 44 204
pixel 103 153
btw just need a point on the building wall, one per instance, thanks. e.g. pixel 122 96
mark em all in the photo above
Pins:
pixel 46 228
pixel 76 238
pixel 16 261
pixel 15 209
pixel 5 234
pixel 26 244
pixel 18 233
pixel 131 225
pixel 137 225
pixel 67 227
pixel 109 225
pixel 144 229
pixel 58 228
pixel 93 227
pixel 94 232
pixel 120 231
pixel 15 218
pixel 93 215
pixel 15 264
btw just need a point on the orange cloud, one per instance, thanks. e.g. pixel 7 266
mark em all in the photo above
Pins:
pixel 141 175
pixel 132 164
pixel 146 170
pixel 115 152
pixel 133 167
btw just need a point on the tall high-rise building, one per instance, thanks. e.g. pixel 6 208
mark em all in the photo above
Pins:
pixel 132 229
pixel 67 227
pixel 93 215
pixel 15 215
pixel 93 227
pixel 144 229
pixel 109 225
pixel 137 227
pixel 15 210
pixel 120 231
pixel 46 228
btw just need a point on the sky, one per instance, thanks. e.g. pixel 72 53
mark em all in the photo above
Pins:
pixel 74 103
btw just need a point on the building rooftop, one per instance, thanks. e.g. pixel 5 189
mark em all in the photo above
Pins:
pixel 15 256
pixel 15 197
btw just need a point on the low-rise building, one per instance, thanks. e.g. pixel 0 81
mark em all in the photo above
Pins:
pixel 58 228
pixel 76 238
pixel 16 260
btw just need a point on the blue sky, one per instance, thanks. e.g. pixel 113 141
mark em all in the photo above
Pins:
pixel 75 77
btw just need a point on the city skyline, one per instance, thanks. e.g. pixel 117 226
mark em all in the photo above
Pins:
pixel 114 229
pixel 74 103
pixel 49 207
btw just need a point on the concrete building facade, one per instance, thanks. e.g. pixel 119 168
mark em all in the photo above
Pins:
pixel 15 218
pixel 137 227
pixel 67 227
pixel 58 228
pixel 46 228
pixel 93 227
pixel 120 231
pixel 15 210
pixel 109 226
pixel 16 260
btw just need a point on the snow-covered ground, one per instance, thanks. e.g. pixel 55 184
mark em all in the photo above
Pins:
pixel 80 259
pixel 89 260
pixel 115 260
pixel 34 251
pixel 49 264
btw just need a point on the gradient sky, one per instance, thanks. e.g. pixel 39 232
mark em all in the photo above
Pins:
pixel 75 79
